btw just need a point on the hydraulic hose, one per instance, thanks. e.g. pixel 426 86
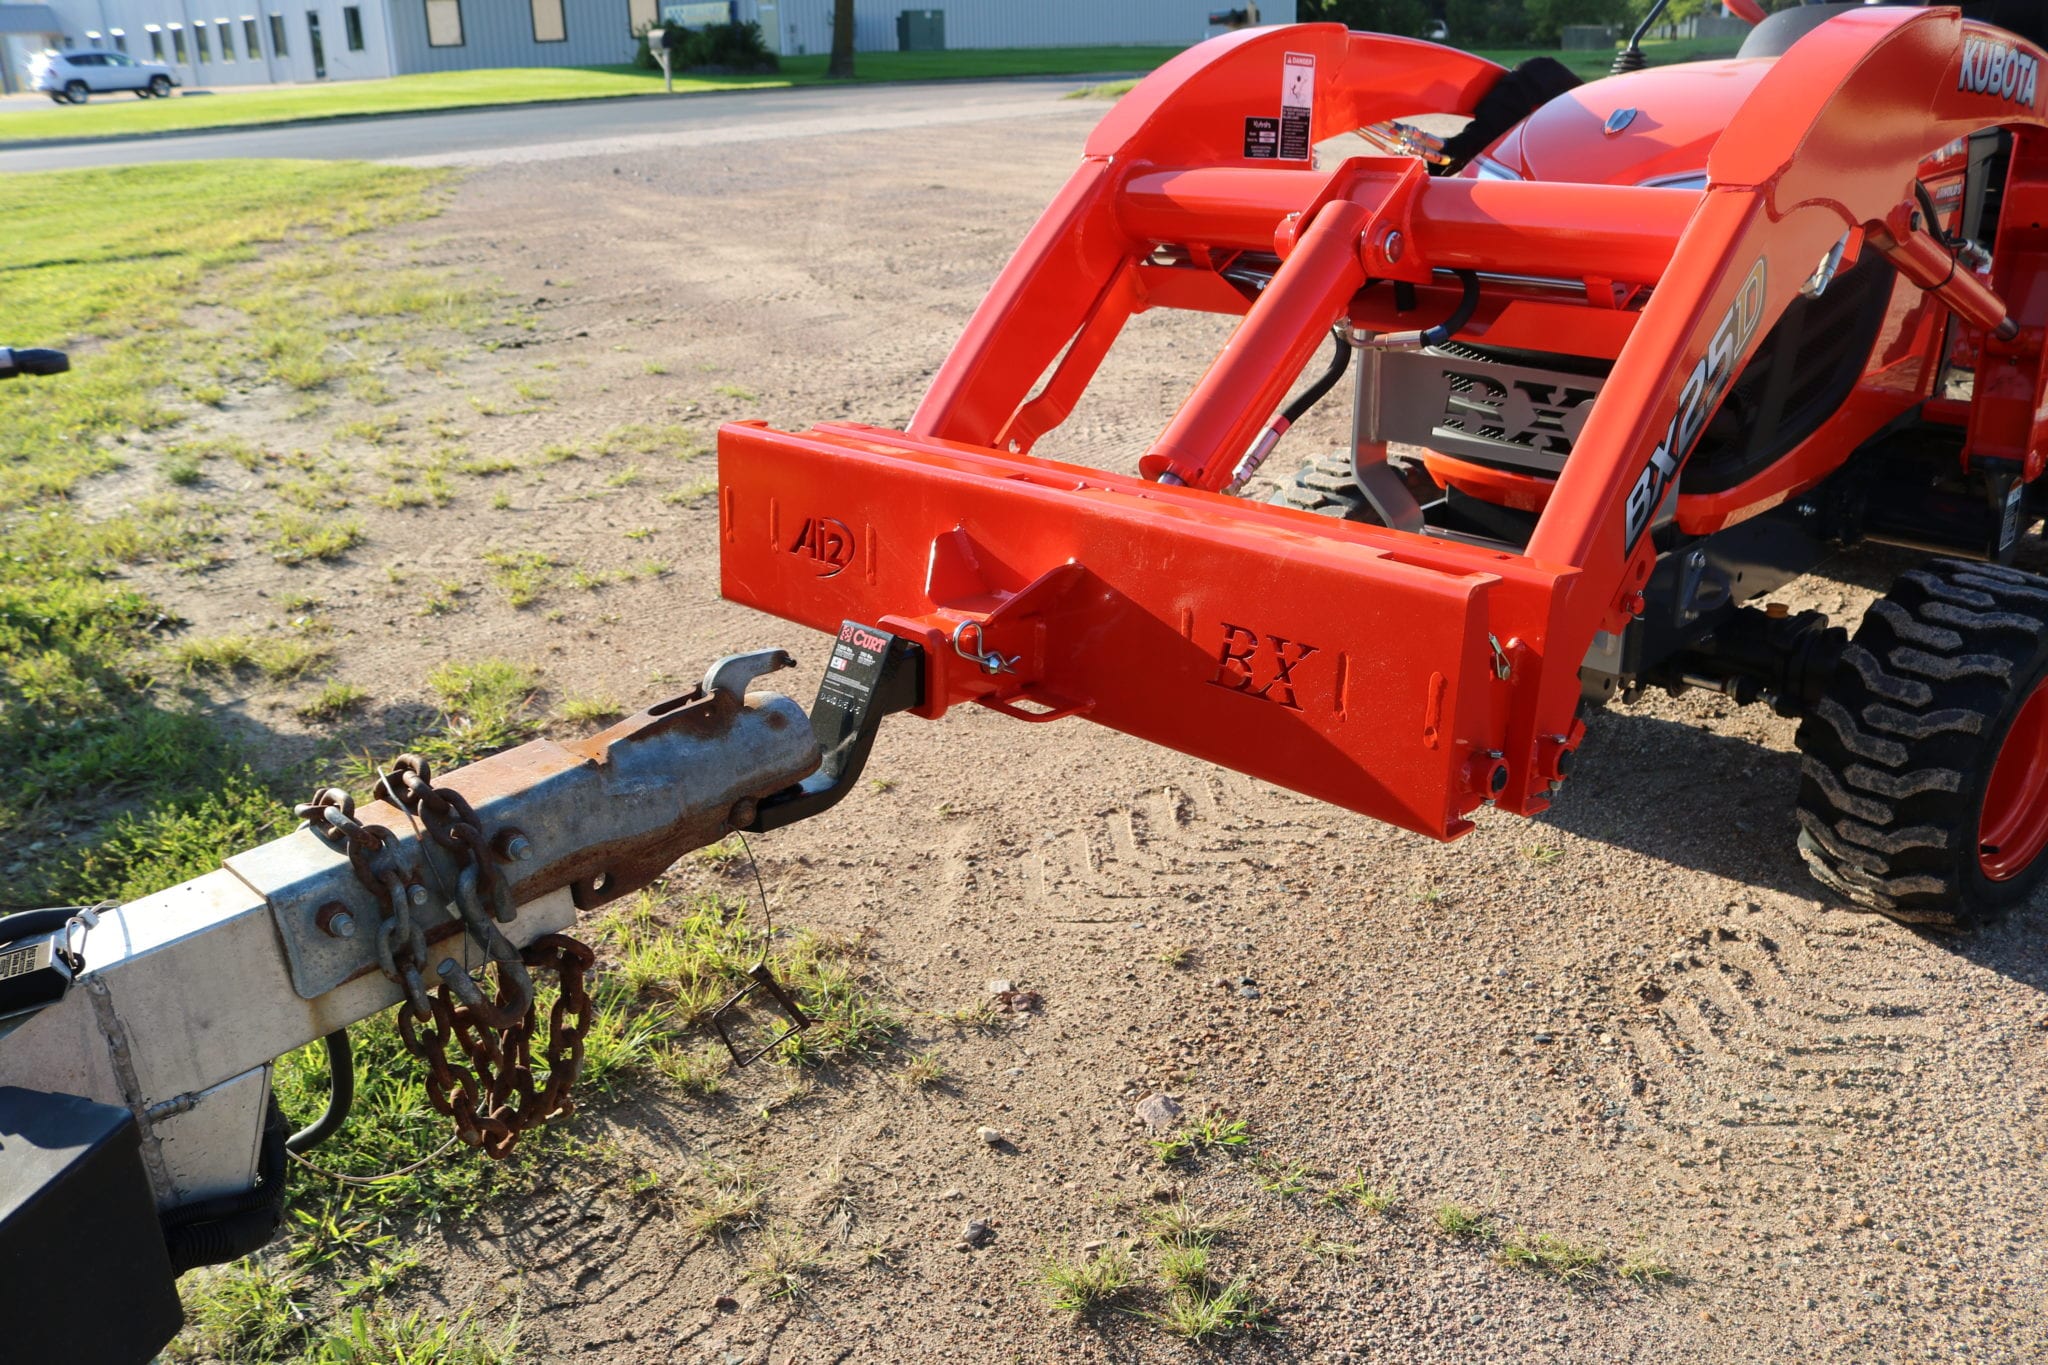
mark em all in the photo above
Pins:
pixel 341 1095
pixel 1468 304
pixel 1340 361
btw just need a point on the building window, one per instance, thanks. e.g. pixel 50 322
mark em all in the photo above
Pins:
pixel 319 48
pixel 178 43
pixel 352 26
pixel 641 15
pixel 156 44
pixel 199 43
pixel 277 43
pixel 547 22
pixel 227 41
pixel 444 23
pixel 250 43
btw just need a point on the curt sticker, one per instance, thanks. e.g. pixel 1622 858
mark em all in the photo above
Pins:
pixel 1994 68
pixel 1703 389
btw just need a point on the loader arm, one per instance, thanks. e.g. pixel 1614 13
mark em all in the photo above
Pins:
pixel 1408 676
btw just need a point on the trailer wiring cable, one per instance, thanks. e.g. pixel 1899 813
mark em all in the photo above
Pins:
pixel 359 1181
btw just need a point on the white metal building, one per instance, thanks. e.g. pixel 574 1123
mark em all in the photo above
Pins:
pixel 241 42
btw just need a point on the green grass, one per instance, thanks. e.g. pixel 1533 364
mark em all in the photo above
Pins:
pixel 1361 1193
pixel 521 575
pixel 783 1262
pixel 297 537
pixel 246 1314
pixel 335 700
pixel 1181 1224
pixel 1201 1136
pixel 1206 1312
pixel 1455 1220
pixel 114 256
pixel 1086 1284
pixel 1587 66
pixel 1549 1254
pixel 1646 1268
pixel 459 89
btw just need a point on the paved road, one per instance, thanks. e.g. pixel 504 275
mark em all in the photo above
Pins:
pixel 593 127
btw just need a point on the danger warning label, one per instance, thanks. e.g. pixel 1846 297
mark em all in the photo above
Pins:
pixel 1297 106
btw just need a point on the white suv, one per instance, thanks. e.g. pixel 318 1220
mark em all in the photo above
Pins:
pixel 74 77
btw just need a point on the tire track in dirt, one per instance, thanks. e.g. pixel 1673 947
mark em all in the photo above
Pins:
pixel 1764 1036
pixel 1160 843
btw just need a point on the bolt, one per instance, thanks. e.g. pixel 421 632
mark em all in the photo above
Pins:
pixel 743 812
pixel 416 893
pixel 335 920
pixel 519 848
pixel 1391 246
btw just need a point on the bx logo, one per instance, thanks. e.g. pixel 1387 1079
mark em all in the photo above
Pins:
pixel 826 542
pixel 1258 665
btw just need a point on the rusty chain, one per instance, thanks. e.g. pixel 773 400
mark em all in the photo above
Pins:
pixel 491 1094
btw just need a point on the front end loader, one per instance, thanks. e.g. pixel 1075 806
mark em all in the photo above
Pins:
pixel 1625 358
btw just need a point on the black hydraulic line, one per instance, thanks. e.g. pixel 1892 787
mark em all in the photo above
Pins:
pixel 1468 304
pixel 341 1095
pixel 1248 464
pixel 1340 361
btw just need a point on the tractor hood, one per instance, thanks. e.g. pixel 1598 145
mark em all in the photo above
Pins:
pixel 1625 130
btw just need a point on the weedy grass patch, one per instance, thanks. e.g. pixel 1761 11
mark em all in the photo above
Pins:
pixel 1549 1254
pixel 1086 1284
pixel 105 263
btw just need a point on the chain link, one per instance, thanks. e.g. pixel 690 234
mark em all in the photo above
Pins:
pixel 491 1092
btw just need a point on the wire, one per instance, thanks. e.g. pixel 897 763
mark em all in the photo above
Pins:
pixel 767 912
pixel 339 1178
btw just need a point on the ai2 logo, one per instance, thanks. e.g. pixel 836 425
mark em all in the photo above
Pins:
pixel 1703 388
pixel 1992 68
pixel 826 542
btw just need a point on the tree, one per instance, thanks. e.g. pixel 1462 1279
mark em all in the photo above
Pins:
pixel 840 68
pixel 1405 17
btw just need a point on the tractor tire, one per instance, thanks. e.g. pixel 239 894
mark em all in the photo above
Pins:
pixel 1325 485
pixel 1923 788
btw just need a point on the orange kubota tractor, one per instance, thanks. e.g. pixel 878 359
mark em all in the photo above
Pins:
pixel 1663 342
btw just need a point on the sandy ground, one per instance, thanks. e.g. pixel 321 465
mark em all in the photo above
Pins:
pixel 1634 1021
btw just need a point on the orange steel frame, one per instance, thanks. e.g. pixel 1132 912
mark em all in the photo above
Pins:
pixel 1408 677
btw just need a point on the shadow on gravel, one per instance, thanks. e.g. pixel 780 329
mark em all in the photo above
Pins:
pixel 2016 947
pixel 1685 795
